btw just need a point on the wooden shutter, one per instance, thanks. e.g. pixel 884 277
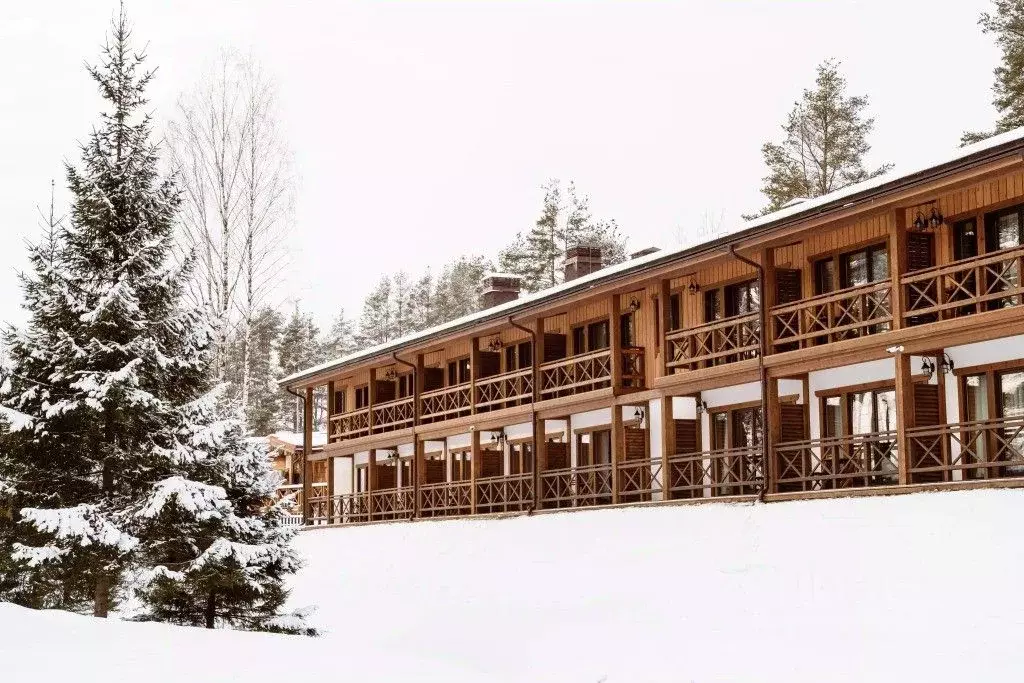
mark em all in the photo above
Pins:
pixel 492 463
pixel 386 477
pixel 490 364
pixel 558 455
pixel 433 378
pixel 926 413
pixel 434 471
pixel 636 443
pixel 787 286
pixel 792 423
pixel 686 436
pixel 926 404
pixel 554 347
pixel 919 251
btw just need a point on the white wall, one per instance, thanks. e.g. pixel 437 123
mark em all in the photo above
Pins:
pixel 342 476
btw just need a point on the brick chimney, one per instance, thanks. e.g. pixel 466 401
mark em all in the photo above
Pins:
pixel 500 288
pixel 583 259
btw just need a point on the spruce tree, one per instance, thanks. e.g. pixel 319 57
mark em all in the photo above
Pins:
pixel 376 325
pixel 216 553
pixel 298 347
pixel 265 396
pixel 459 287
pixel 106 356
pixel 341 340
pixel 1006 22
pixel 824 144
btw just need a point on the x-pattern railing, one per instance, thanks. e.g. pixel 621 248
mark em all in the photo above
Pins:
pixel 576 486
pixel 981 449
pixel 446 498
pixel 633 374
pixel 722 341
pixel 716 473
pixel 397 414
pixel 504 493
pixel 838 462
pixel 640 479
pixel 504 389
pixel 962 287
pixel 350 424
pixel 392 503
pixel 447 402
pixel 576 374
pixel 851 312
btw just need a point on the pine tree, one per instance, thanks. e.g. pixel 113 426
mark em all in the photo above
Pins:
pixel 216 553
pixel 264 394
pixel 1006 22
pixel 459 287
pixel 298 347
pixel 401 305
pixel 375 324
pixel 342 338
pixel 423 303
pixel 824 145
pixel 106 356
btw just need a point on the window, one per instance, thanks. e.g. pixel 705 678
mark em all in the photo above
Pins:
pixel 362 396
pixel 590 337
pixel 1004 229
pixel 339 401
pixel 405 384
pixel 518 356
pixel 461 466
pixel 736 428
pixel 851 269
pixel 731 300
pixel 989 396
pixel 458 371
pixel 675 312
pixel 965 239
pixel 627 330
pixel 362 478
pixel 521 458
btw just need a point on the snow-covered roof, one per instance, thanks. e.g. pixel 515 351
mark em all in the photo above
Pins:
pixel 791 212
pixel 296 438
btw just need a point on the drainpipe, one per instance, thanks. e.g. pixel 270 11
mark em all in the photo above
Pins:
pixel 394 354
pixel 415 451
pixel 533 411
pixel 763 314
pixel 305 454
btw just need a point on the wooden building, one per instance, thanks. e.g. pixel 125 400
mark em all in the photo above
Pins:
pixel 287 458
pixel 867 341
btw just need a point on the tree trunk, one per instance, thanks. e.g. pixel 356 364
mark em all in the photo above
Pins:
pixel 211 609
pixel 101 599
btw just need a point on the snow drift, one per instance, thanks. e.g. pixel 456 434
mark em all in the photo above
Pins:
pixel 903 588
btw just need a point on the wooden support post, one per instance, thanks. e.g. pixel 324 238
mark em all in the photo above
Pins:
pixel 769 297
pixel 371 481
pixel 331 408
pixel 615 339
pixel 772 432
pixel 307 450
pixel 618 446
pixel 540 457
pixel 474 372
pixel 664 321
pixel 904 413
pixel 538 359
pixel 330 490
pixel 419 473
pixel 668 446
pixel 475 467
pixel 417 389
pixel 371 391
pixel 897 264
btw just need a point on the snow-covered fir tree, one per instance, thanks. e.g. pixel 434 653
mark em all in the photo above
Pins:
pixel 262 370
pixel 376 323
pixel 116 452
pixel 458 288
pixel 298 347
pixel 341 340
pixel 216 554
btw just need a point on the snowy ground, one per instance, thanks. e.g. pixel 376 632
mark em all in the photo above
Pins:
pixel 904 588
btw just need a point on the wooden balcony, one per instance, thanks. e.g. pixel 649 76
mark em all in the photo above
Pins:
pixel 838 462
pixel 397 414
pixel 504 390
pixel 350 425
pixel 722 341
pixel 589 371
pixel 986 449
pixel 576 486
pixel 446 403
pixel 513 493
pixel 716 473
pixel 845 314
pixel 446 499
pixel 964 287
pixel 392 503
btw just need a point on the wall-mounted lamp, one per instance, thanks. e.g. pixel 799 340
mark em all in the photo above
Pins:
pixel 392 454
pixel 936 219
pixel 694 288
pixel 634 304
pixel 499 437
pixel 927 367
pixel 702 406
pixel 495 344
pixel 390 375
pixel 639 415
pixel 919 222
pixel 946 363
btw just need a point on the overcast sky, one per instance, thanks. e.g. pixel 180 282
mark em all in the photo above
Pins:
pixel 422 130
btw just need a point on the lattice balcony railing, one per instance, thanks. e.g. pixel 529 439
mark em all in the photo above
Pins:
pixel 350 425
pixel 393 415
pixel 446 499
pixel 965 287
pixel 576 374
pixel 445 403
pixel 576 486
pixel 848 313
pixel 723 341
pixel 504 390
pixel 640 480
pixel 392 503
pixel 512 493
pixel 986 449
pixel 838 462
pixel 717 473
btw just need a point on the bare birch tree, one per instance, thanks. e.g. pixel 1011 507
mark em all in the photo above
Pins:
pixel 239 191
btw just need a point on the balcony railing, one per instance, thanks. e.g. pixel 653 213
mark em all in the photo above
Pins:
pixel 986 449
pixel 640 480
pixel 350 425
pixel 838 462
pixel 576 486
pixel 446 499
pixel 717 473
pixel 722 341
pixel 965 287
pixel 504 390
pixel 392 503
pixel 351 508
pixel 852 312
pixel 512 493
pixel 576 374
pixel 449 402
pixel 397 414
